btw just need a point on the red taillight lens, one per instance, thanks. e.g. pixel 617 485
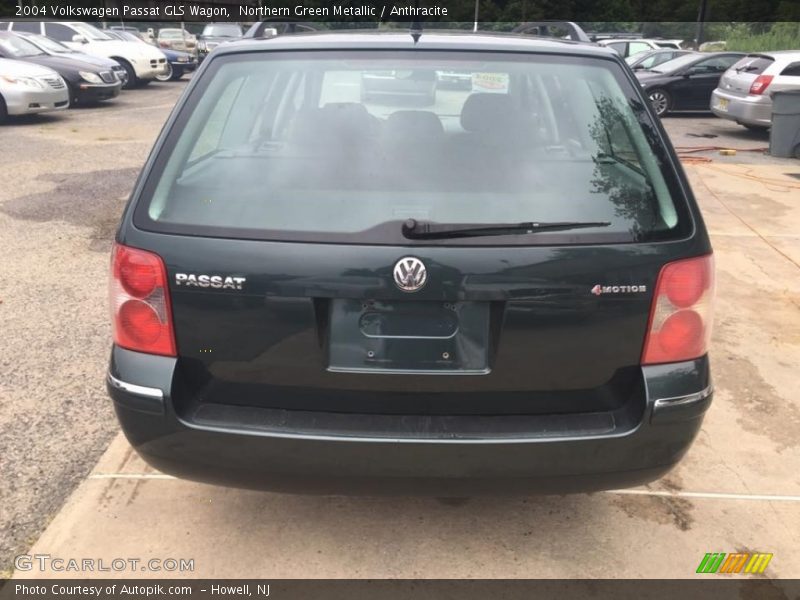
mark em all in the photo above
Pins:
pixel 137 271
pixel 760 84
pixel 139 299
pixel 680 320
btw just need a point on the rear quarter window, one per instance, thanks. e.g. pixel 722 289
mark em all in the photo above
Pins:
pixel 345 146
pixel 792 70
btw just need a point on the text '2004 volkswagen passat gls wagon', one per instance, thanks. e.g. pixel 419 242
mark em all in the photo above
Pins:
pixel 506 291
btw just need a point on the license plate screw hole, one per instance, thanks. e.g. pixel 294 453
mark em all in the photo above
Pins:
pixel 446 355
pixel 370 354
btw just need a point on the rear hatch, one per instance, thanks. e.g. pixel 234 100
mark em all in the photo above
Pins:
pixel 285 211
pixel 740 77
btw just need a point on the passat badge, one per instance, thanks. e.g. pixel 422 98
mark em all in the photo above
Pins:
pixel 410 274
pixel 217 282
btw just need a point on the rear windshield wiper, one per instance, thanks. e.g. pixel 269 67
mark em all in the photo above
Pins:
pixel 422 230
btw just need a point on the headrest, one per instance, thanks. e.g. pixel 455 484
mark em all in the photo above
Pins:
pixel 487 112
pixel 338 123
pixel 411 125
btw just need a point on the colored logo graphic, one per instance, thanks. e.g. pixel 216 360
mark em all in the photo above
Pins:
pixel 736 562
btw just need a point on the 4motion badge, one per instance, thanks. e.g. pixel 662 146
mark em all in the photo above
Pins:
pixel 599 290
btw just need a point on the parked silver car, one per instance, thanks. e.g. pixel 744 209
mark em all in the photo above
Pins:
pixel 745 90
pixel 26 88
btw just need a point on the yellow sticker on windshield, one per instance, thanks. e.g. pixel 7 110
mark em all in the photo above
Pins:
pixel 491 83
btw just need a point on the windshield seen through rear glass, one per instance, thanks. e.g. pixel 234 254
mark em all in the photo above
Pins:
pixel 344 147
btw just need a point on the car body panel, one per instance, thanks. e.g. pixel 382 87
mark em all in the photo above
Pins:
pixel 265 392
pixel 732 99
pixel 146 61
pixel 70 70
pixel 20 100
pixel 688 90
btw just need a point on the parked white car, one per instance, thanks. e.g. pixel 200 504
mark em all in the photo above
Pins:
pixel 632 46
pixel 141 62
pixel 744 93
pixel 26 88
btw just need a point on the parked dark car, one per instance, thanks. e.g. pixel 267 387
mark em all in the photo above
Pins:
pixel 86 82
pixel 507 293
pixel 54 48
pixel 652 58
pixel 417 85
pixel 215 34
pixel 686 82
pixel 178 63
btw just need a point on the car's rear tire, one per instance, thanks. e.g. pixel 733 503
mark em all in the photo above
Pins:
pixel 3 111
pixel 167 75
pixel 177 73
pixel 660 100
pixel 132 79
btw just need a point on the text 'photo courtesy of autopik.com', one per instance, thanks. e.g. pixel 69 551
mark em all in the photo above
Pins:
pixel 324 299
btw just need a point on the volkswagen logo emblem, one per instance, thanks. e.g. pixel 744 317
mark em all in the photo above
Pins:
pixel 410 274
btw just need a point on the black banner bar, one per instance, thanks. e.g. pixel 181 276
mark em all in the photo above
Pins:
pixel 710 586
pixel 375 11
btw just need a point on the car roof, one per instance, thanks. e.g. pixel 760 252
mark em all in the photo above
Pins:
pixel 777 53
pixel 501 42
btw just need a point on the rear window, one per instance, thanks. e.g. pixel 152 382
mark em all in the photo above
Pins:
pixel 792 70
pixel 753 64
pixel 346 146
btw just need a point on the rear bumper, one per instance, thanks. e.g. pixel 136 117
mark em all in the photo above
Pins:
pixel 298 451
pixel 747 110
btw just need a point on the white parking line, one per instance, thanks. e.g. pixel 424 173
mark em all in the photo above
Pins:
pixel 633 492
pixel 711 495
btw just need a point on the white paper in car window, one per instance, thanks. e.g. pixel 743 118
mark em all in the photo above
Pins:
pixel 490 83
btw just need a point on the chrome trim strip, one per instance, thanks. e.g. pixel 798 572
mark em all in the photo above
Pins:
pixel 132 388
pixel 688 399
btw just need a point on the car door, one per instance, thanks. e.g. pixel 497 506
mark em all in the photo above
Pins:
pixel 63 33
pixel 703 78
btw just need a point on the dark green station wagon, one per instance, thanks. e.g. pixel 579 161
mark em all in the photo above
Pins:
pixel 503 289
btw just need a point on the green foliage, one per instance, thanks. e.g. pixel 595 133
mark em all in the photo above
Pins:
pixel 779 36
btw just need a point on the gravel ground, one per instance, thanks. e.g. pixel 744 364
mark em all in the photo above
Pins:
pixel 67 178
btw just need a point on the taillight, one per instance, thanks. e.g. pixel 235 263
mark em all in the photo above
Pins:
pixel 680 319
pixel 760 84
pixel 140 311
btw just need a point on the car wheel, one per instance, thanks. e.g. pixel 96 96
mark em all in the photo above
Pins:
pixel 661 101
pixel 131 82
pixel 177 73
pixel 3 110
pixel 167 75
